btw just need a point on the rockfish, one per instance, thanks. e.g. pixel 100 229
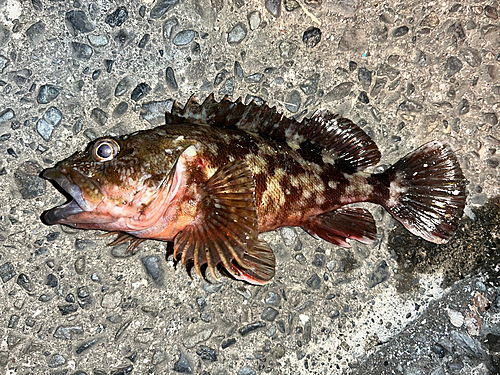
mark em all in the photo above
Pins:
pixel 218 174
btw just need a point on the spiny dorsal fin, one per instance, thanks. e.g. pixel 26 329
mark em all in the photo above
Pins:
pixel 345 141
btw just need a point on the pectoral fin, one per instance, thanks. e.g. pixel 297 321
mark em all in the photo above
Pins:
pixel 260 262
pixel 226 226
pixel 339 225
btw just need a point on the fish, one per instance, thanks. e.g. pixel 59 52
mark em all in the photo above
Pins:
pixel 219 173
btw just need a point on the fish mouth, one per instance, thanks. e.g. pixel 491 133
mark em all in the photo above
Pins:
pixel 76 205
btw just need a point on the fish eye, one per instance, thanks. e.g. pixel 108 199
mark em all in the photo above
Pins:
pixel 106 149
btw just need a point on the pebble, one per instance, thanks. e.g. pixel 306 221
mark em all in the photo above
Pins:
pixel 56 360
pixel 154 112
pixel 118 17
pixel 237 33
pixel 184 37
pixel 77 21
pixel 152 264
pixel 246 370
pixel 293 101
pixel 311 37
pixel 491 12
pixel 365 77
pixel 99 116
pixel 7 272
pixel 490 118
pixel 291 5
pixel 385 70
pixel 6 115
pixel 111 300
pixel 310 85
pixel 400 31
pixel 207 354
pixel 319 260
pixel 67 332
pixel 169 26
pixel 100 40
pixel 161 7
pixel 254 78
pixel 314 282
pixel 463 107
pixel 339 92
pixel 469 345
pixel 379 275
pixel 198 337
pixel 120 109
pixel 81 50
pixel 453 65
pixel 456 318
pixel 124 85
pixel 471 56
pixel 158 357
pixel 35 32
pixel 127 370
pixel 252 327
pixel 140 91
pixel 228 87
pixel 170 77
pixel 4 35
pixel 86 345
pixel 182 365
pixel 287 49
pixel 431 20
pixel 363 97
pixel 51 280
pixel 4 62
pixel 273 299
pixel 410 106
pixel 254 19
pixel 273 7
pixel 28 183
pixel 269 314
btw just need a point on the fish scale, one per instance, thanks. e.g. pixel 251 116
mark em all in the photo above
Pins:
pixel 219 173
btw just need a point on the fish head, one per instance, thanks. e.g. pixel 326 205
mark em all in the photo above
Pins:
pixel 116 180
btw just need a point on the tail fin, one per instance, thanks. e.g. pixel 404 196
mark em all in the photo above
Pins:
pixel 427 192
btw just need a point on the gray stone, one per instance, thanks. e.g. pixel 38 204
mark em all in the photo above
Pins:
pixel 29 184
pixel 206 353
pixel 293 101
pixel 453 65
pixel 400 31
pixel 311 37
pixel 184 37
pixel 67 332
pixel 169 26
pixel 228 87
pixel 379 275
pixel 246 370
pixel 385 70
pixel 269 314
pixel 161 7
pixel 254 19
pixel 287 49
pixel 7 271
pixel 100 40
pixel 120 109
pixel 273 7
pixel 310 85
pixel 170 78
pixel 35 32
pixel 118 17
pixel 6 115
pixel 154 112
pixel 237 33
pixel 339 92
pixel 56 360
pixel 82 51
pixel 463 107
pixel 77 21
pixel 99 116
pixel 152 264
pixel 47 93
pixel 365 77
pixel 314 282
pixel 273 299
pixel 140 91
pixel 198 337
pixel 124 85
pixel 238 70
pixel 471 56
pixel 4 62
pixel 4 35
pixel 182 365
pixel 254 78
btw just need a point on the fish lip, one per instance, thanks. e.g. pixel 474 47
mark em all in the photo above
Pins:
pixel 77 205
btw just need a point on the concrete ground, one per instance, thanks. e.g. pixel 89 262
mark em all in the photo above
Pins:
pixel 406 71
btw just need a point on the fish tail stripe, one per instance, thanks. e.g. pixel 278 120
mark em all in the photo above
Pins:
pixel 425 191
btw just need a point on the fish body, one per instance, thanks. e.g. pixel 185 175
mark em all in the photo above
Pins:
pixel 218 174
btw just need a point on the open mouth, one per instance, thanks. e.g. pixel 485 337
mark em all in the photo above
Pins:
pixel 75 206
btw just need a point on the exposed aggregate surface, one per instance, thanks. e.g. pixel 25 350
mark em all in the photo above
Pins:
pixel 406 71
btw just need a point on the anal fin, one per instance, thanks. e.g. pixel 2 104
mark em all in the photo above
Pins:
pixel 344 223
